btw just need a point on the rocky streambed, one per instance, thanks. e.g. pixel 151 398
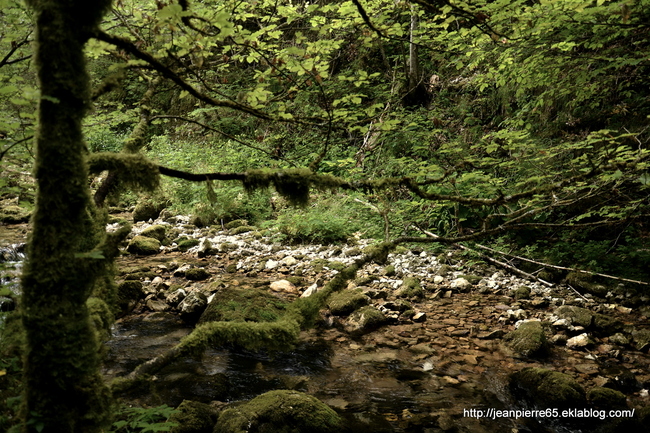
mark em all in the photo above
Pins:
pixel 421 343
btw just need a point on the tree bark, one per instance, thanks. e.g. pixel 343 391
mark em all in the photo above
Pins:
pixel 63 389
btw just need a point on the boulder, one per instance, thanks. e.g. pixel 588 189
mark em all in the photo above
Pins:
pixel 280 411
pixel 193 417
pixel 364 320
pixel 197 274
pixel 156 231
pixel 410 288
pixel 544 388
pixel 143 246
pixel 577 316
pixel 528 339
pixel 192 307
pixel 243 305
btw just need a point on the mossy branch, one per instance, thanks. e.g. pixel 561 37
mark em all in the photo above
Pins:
pixel 134 170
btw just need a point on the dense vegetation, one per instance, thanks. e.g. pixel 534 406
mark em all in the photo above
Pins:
pixel 521 122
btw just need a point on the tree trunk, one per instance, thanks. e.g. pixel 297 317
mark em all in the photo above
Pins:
pixel 63 389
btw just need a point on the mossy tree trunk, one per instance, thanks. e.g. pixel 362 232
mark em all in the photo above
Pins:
pixel 63 389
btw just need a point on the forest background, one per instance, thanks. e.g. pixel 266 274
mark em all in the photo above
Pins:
pixel 521 123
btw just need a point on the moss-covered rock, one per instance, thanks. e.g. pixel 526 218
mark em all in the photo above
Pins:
pixel 337 266
pixel 607 398
pixel 544 388
pixel 235 223
pixel 389 270
pixel 242 229
pixel 528 339
pixel 243 305
pixel 143 246
pixel 365 319
pixel 186 244
pixel 197 274
pixel 280 411
pixel 193 417
pixel 128 294
pixel 472 279
pixel 576 315
pixel 521 292
pixel 346 301
pixel 148 209
pixel 410 288
pixel 156 231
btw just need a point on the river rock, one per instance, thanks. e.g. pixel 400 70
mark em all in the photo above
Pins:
pixel 128 294
pixel 641 339
pixel 576 315
pixel 156 231
pixel 544 388
pixel 274 411
pixel 289 261
pixel 176 297
pixel 193 417
pixel 607 398
pixel 528 339
pixel 283 286
pixel 197 274
pixel 579 341
pixel 410 288
pixel 460 284
pixel 192 307
pixel 364 320
pixel 310 291
pixel 143 246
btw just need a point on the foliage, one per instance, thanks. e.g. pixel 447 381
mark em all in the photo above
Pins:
pixel 143 420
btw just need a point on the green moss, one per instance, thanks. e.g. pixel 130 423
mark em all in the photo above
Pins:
pixel 235 223
pixel 529 339
pixel 337 266
pixel 389 271
pixel 280 411
pixel 410 288
pixel 101 316
pixel 193 417
pixel 243 305
pixel 197 274
pixel 186 244
pixel 546 388
pixel 143 246
pixel 128 293
pixel 242 229
pixel 156 231
pixel 134 170
pixel 472 279
pixel 346 301
pixel 606 398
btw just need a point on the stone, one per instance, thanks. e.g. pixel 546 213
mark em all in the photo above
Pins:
pixel 283 286
pixel 13 214
pixel 619 339
pixel 460 283
pixel 528 339
pixel 438 279
pixel 185 244
pixel 197 274
pixel 419 317
pixel 157 305
pixel 364 320
pixel 410 288
pixel 192 417
pixel 289 261
pixel 607 398
pixel 275 410
pixel 310 291
pixel 606 325
pixel 271 264
pixel 156 231
pixel 576 315
pixel 522 292
pixel 490 335
pixel 547 388
pixel 143 246
pixel 579 341
pixel 641 339
pixel 192 307
pixel 176 297
pixel 147 210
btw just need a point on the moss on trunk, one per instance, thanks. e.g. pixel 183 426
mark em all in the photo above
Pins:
pixel 63 389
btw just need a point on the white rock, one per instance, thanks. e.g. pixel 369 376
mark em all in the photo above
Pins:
pixel 271 264
pixel 283 286
pixel 578 341
pixel 459 283
pixel 288 261
pixel 438 279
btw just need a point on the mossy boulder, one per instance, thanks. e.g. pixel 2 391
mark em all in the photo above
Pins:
pixel 280 411
pixel 148 209
pixel 389 271
pixel 521 292
pixel 14 215
pixel 528 339
pixel 235 223
pixel 607 398
pixel 243 305
pixel 156 231
pixel 472 279
pixel 185 244
pixel 346 301
pixel 128 294
pixel 242 229
pixel 143 246
pixel 193 417
pixel 578 316
pixel 365 319
pixel 197 274
pixel 544 388
pixel 410 288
